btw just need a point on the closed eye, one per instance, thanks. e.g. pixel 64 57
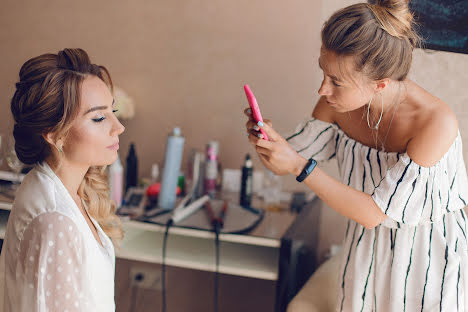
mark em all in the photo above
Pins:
pixel 335 84
pixel 102 118
pixel 98 119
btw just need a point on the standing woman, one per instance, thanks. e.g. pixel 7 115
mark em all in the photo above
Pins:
pixel 58 254
pixel 403 178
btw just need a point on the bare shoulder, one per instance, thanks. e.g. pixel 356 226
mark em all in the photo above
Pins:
pixel 323 111
pixel 433 135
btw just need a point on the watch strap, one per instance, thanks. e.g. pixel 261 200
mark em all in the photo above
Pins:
pixel 308 168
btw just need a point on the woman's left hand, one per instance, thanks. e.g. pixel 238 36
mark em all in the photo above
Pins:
pixel 276 154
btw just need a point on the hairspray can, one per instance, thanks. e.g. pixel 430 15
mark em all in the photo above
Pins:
pixel 170 177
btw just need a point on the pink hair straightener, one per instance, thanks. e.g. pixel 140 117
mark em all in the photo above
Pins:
pixel 254 107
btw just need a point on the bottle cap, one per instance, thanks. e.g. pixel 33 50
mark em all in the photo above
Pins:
pixel 132 149
pixel 177 131
pixel 248 161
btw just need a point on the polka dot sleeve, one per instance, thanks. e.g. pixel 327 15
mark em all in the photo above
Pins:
pixel 51 255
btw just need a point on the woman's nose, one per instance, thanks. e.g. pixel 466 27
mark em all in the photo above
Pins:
pixel 117 127
pixel 324 89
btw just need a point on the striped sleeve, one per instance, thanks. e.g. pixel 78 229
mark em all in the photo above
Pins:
pixel 314 138
pixel 412 194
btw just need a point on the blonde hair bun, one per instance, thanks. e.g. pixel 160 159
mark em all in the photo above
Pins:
pixel 395 17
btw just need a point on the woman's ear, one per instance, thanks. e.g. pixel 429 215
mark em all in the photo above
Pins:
pixel 381 84
pixel 52 139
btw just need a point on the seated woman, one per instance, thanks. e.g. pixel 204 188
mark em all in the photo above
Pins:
pixel 58 253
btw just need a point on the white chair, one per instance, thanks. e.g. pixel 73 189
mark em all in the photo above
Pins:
pixel 319 293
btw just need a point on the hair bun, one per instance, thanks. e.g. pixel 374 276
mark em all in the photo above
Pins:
pixel 395 17
pixel 30 147
pixel 74 59
pixel 390 4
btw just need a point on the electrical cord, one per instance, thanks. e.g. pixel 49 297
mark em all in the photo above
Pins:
pixel 163 266
pixel 217 224
pixel 217 229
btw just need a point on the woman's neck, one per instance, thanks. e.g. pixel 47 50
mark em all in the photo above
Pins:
pixel 71 175
pixel 388 98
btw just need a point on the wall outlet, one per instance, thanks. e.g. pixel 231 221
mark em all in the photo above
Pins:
pixel 145 277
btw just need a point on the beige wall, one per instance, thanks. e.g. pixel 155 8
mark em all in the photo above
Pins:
pixel 184 63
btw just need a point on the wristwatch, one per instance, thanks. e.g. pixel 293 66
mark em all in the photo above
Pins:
pixel 309 167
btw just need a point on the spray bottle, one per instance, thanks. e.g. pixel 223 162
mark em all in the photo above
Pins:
pixel 173 158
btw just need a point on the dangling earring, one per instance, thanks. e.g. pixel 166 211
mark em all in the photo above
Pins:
pixel 376 127
pixel 59 147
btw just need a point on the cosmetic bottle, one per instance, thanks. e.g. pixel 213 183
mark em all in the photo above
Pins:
pixel 116 181
pixel 131 178
pixel 170 177
pixel 246 183
pixel 211 168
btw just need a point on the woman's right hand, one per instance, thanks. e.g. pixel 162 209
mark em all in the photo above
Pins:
pixel 276 154
pixel 253 130
pixel 251 125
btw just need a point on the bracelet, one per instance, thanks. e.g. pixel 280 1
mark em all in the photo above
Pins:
pixel 309 167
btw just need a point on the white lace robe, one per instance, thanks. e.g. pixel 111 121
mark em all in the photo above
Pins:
pixel 50 259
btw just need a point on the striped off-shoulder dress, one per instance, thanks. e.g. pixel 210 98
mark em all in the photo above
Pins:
pixel 417 259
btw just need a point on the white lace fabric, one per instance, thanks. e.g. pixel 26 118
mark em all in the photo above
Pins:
pixel 51 257
pixel 50 260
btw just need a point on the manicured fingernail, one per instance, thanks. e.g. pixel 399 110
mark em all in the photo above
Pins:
pixel 260 135
pixel 260 123
pixel 256 128
pixel 249 111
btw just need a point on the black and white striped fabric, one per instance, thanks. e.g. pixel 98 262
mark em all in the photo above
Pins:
pixel 417 259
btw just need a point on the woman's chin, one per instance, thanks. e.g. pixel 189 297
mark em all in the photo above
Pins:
pixel 112 159
pixel 105 162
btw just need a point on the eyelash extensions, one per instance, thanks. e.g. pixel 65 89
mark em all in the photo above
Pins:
pixel 102 118
pixel 99 119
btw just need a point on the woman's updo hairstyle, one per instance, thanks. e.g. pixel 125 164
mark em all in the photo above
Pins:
pixel 378 35
pixel 47 99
